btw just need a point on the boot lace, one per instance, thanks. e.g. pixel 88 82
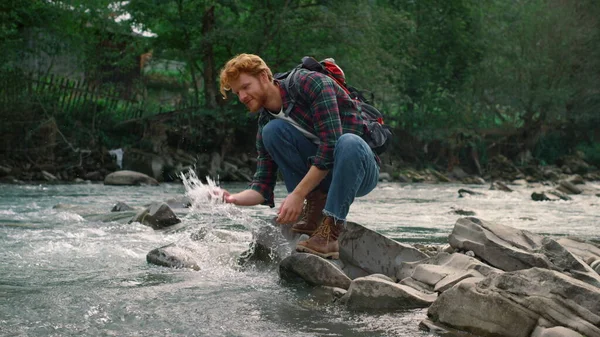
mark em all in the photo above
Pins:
pixel 324 230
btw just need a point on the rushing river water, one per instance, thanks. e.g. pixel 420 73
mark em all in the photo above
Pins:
pixel 79 270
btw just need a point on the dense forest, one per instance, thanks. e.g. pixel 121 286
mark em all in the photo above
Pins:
pixel 461 82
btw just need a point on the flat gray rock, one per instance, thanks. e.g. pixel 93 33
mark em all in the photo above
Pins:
pixel 126 177
pixel 372 292
pixel 444 270
pixel 513 303
pixel 512 249
pixel 372 252
pixel 557 331
pixel 583 249
pixel 314 270
pixel 501 246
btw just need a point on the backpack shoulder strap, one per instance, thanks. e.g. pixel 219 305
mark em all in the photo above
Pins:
pixel 291 87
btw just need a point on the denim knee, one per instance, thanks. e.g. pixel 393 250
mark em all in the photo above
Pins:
pixel 273 132
pixel 350 142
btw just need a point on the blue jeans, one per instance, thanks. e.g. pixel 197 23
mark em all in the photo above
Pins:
pixel 355 171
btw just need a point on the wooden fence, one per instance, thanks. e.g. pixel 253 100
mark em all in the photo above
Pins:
pixel 68 95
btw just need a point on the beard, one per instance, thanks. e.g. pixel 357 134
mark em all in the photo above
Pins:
pixel 259 99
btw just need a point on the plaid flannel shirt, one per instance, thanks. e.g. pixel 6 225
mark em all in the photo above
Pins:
pixel 322 108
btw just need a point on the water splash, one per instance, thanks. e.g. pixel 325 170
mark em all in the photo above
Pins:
pixel 208 200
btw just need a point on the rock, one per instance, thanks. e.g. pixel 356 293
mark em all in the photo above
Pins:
pixel 576 179
pixel 501 246
pixel 585 250
pixel 314 270
pixel 574 164
pixel 268 245
pixel 462 212
pixel 512 249
pixel 49 176
pixel 157 216
pixel 557 331
pixel 473 181
pixel 549 196
pixel 542 196
pixel 500 186
pixel 561 195
pixel 172 256
pixel 520 182
pixel 372 252
pixel 120 207
pixel 326 295
pixel 129 178
pixel 444 270
pixel 417 285
pixel 376 293
pixel 568 188
pixel 511 304
pixel 502 168
pixel 384 176
pixel 440 176
pixel 383 277
pixel 463 191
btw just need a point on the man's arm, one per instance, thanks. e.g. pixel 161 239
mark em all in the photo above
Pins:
pixel 291 207
pixel 244 198
pixel 311 180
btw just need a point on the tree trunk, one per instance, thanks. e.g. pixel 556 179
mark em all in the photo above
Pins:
pixel 208 59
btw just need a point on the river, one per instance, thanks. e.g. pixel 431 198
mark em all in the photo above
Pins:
pixel 71 271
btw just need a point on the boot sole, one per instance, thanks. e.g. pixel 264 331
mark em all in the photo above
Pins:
pixel 332 255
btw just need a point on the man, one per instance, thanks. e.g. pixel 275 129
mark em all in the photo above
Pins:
pixel 316 144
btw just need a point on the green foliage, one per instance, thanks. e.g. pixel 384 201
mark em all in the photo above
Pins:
pixel 591 152
pixel 437 68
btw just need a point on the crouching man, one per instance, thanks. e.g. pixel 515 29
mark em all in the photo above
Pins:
pixel 312 132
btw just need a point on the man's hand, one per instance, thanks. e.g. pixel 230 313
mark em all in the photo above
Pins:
pixel 244 198
pixel 228 197
pixel 290 208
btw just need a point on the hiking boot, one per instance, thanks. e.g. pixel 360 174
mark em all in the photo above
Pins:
pixel 312 214
pixel 324 241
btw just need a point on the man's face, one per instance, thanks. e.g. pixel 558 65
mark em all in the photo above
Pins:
pixel 251 90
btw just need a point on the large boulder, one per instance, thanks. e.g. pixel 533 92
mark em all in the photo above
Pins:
pixel 512 249
pixel 129 178
pixel 515 304
pixel 157 215
pixel 365 252
pixel 374 292
pixel 314 270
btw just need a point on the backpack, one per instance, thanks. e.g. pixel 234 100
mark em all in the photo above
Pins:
pixel 377 135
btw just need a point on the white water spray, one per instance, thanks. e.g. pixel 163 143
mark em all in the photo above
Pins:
pixel 208 198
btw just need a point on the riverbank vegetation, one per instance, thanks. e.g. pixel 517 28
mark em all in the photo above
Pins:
pixel 461 82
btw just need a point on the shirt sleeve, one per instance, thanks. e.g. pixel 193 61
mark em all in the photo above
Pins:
pixel 320 92
pixel 265 176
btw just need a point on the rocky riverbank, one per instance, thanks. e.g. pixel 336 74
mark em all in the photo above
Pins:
pixel 95 166
pixel 488 280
